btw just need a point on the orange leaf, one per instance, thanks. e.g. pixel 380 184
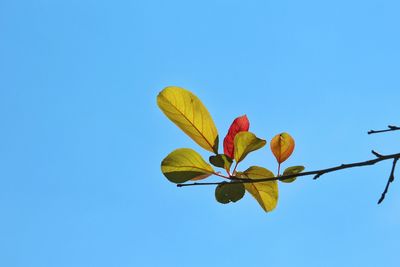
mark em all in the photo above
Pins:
pixel 282 146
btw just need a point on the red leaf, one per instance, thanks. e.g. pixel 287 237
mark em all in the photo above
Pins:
pixel 240 124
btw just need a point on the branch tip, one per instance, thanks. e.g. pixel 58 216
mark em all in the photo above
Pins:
pixel 389 129
pixel 376 154
pixel 317 176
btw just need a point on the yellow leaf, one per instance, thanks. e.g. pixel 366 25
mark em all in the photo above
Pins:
pixel 266 193
pixel 187 111
pixel 185 164
pixel 201 177
pixel 246 142
pixel 282 146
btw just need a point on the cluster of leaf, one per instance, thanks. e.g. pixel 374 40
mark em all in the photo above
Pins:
pixel 184 164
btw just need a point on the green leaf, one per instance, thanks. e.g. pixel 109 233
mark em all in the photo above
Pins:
pixel 187 111
pixel 221 161
pixel 290 171
pixel 229 192
pixel 266 193
pixel 246 142
pixel 185 164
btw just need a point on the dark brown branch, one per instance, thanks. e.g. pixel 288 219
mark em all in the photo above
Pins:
pixel 318 173
pixel 389 129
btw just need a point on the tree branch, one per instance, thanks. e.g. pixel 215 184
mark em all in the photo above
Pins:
pixel 319 173
pixel 390 128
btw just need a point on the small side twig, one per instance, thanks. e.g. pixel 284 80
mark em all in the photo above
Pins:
pixel 376 154
pixel 389 129
pixel 390 180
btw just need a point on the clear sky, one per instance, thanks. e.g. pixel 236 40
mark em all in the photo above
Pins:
pixel 82 139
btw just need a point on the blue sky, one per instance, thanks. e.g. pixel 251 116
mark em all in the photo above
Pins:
pixel 82 138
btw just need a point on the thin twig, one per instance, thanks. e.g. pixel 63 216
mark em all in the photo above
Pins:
pixel 389 129
pixel 234 169
pixel 390 180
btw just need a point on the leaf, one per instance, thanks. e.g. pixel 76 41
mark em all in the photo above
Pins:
pixel 290 171
pixel 221 161
pixel 201 177
pixel 229 192
pixel 187 111
pixel 185 164
pixel 246 142
pixel 240 124
pixel 282 146
pixel 266 193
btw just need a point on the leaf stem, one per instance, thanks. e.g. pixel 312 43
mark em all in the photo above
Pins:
pixel 234 169
pixel 221 175
pixel 279 168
